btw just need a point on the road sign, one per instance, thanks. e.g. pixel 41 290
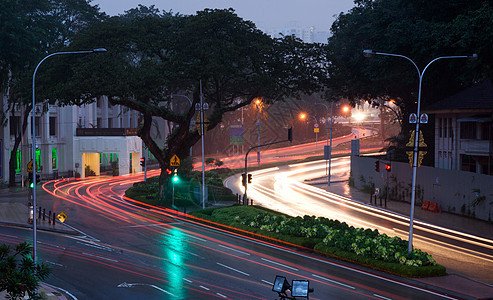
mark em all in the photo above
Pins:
pixel 61 217
pixel 174 161
pixel 413 118
pixel 316 129
pixel 30 166
pixel 423 119
pixel 315 125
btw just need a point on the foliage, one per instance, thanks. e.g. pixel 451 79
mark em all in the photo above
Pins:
pixel 421 31
pixel 153 56
pixel 18 274
pixel 331 237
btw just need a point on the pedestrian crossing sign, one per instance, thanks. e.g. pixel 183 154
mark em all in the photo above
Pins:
pixel 174 161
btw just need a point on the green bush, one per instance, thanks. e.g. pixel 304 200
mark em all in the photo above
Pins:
pixel 330 237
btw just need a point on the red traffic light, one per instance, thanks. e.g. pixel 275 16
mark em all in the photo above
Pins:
pixel 388 167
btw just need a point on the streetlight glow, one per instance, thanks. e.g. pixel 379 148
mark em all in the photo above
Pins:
pixel 370 53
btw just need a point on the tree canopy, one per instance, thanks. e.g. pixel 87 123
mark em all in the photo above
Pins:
pixel 153 56
pixel 421 30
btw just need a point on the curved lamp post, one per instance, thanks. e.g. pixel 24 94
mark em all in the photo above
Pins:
pixel 99 50
pixel 370 53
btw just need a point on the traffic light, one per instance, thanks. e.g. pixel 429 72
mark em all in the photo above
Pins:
pixel 175 177
pixel 388 167
pixel 143 161
pixel 249 178
pixel 243 179
pixel 290 134
pixel 30 177
pixel 38 178
pixel 377 166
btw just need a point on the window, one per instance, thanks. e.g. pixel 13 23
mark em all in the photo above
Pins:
pixel 468 130
pixel 486 131
pixel 37 124
pixel 440 127
pixel 54 159
pixel 52 126
pixel 39 163
pixel 468 163
pixel 15 125
pixel 18 161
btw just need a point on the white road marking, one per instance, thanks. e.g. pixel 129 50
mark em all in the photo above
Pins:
pixel 187 280
pixel 221 295
pixel 279 264
pixel 99 257
pixel 54 263
pixel 205 288
pixel 125 285
pixel 381 297
pixel 232 249
pixel 333 281
pixel 233 269
pixel 268 282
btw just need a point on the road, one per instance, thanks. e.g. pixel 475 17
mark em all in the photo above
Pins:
pixel 283 189
pixel 127 250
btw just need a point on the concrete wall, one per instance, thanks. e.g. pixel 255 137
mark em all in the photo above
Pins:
pixel 457 192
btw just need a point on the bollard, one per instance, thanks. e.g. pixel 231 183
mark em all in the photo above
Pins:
pixel 44 213
pixel 251 201
pixel 49 217
pixel 185 210
pixel 54 218
pixel 39 215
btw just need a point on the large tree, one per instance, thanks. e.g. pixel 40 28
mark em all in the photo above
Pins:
pixel 421 30
pixel 153 55
pixel 30 30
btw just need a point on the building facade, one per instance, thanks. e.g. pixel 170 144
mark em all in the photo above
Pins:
pixel 92 139
pixel 463 130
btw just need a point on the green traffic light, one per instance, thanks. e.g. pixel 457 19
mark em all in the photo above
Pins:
pixel 31 185
pixel 175 178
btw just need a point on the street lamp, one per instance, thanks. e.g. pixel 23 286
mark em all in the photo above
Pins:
pixel 370 53
pixel 330 146
pixel 99 50
pixel 258 103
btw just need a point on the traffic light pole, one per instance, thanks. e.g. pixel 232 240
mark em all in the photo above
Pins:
pixel 290 139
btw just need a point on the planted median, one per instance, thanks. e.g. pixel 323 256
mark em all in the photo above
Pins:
pixel 330 238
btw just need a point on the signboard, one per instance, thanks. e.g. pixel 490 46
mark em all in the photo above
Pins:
pixel 30 166
pixel 316 130
pixel 61 217
pixel 236 134
pixel 413 118
pixel 423 119
pixel 174 161
pixel 315 125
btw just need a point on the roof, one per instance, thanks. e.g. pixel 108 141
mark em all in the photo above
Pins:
pixel 476 99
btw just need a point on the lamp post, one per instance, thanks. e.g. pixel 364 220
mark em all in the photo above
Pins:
pixel 99 50
pixel 330 146
pixel 370 53
pixel 258 103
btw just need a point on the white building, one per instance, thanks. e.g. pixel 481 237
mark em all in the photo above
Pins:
pixel 96 138
pixel 463 130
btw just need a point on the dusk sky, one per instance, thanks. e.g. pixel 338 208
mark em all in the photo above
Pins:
pixel 266 14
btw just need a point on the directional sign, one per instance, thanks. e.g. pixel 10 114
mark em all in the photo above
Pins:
pixel 30 166
pixel 174 161
pixel 413 118
pixel 61 217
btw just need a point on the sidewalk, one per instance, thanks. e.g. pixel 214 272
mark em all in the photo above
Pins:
pixel 450 282
pixel 14 211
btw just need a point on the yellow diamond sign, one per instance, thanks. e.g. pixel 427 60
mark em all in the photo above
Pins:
pixel 61 217
pixel 174 161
